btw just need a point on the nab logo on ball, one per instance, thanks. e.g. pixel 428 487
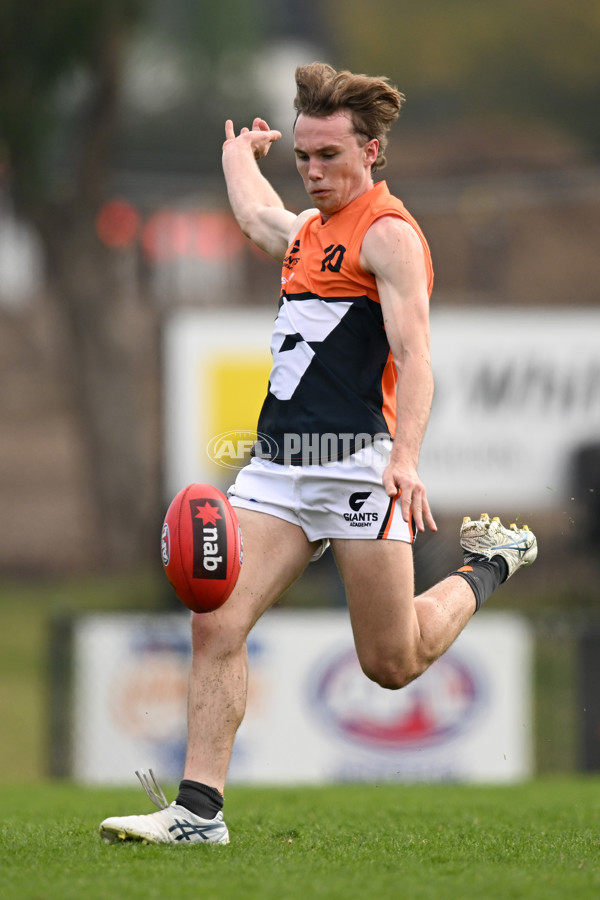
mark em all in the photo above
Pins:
pixel 201 547
pixel 210 539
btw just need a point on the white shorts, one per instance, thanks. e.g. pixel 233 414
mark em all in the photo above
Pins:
pixel 341 499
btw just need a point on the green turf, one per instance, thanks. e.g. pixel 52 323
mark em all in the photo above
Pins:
pixel 538 841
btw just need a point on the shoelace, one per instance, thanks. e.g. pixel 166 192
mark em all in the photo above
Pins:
pixel 152 788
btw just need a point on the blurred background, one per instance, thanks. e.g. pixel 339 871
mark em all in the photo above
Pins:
pixel 114 219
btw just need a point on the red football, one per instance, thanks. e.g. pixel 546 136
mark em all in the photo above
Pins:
pixel 201 547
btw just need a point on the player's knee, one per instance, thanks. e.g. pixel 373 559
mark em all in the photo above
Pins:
pixel 217 636
pixel 391 673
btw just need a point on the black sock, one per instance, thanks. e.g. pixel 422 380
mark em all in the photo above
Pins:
pixel 202 800
pixel 483 575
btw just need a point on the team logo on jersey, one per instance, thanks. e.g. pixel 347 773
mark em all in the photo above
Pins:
pixel 292 259
pixel 334 254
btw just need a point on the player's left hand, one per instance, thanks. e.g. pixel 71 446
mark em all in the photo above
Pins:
pixel 405 482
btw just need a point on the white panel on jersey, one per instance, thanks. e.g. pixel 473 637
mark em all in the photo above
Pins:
pixel 311 320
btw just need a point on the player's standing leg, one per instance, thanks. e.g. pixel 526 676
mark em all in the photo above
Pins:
pixel 275 554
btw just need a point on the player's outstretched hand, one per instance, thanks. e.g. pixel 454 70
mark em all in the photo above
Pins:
pixel 259 138
pixel 406 484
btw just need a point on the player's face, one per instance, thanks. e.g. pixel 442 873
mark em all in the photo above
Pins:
pixel 333 160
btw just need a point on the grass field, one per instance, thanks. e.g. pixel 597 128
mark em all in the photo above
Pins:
pixel 538 841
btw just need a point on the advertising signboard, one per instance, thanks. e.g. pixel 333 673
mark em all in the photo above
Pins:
pixel 312 715
pixel 517 394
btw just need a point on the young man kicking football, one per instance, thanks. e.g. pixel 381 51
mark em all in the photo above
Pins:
pixel 348 402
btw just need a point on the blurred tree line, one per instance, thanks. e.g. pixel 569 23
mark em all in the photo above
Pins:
pixel 87 86
pixel 529 60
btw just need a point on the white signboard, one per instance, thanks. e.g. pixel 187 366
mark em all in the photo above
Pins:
pixel 312 714
pixel 130 689
pixel 517 392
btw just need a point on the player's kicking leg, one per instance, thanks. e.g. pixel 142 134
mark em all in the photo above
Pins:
pixel 397 635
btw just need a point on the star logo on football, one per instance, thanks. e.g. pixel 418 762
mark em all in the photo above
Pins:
pixel 209 514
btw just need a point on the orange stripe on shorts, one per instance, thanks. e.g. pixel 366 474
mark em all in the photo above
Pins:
pixel 389 517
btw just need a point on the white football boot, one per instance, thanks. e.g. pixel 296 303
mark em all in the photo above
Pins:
pixel 488 537
pixel 170 825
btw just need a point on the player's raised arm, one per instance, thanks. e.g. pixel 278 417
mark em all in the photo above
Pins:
pixel 256 206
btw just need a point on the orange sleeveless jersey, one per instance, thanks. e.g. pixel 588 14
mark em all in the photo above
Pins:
pixel 333 371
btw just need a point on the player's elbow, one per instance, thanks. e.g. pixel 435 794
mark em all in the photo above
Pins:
pixel 266 240
pixel 246 224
